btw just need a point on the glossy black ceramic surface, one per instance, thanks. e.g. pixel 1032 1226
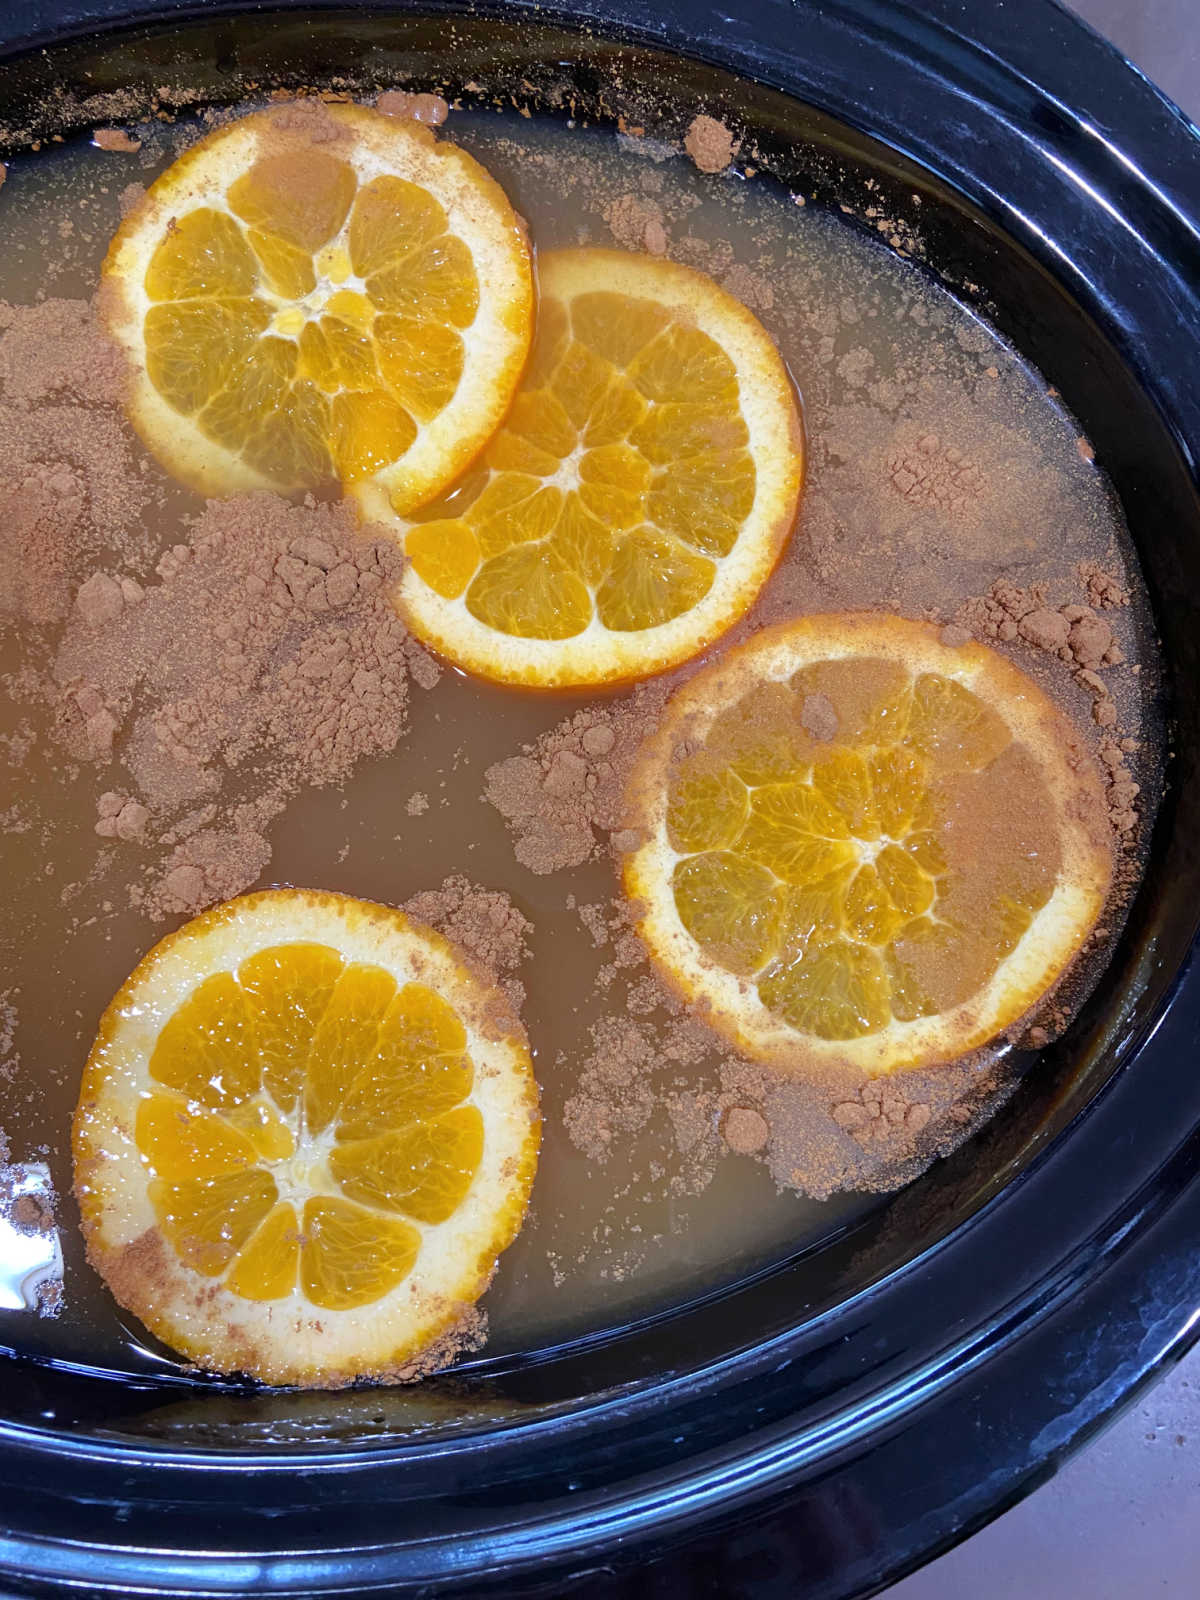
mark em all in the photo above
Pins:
pixel 830 1424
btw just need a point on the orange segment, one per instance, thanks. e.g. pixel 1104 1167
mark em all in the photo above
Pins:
pixel 266 1267
pixel 838 991
pixel 207 1220
pixel 446 555
pixel 397 307
pixel 304 1103
pixel 392 219
pixel 178 1142
pixel 301 196
pixel 652 579
pixel 420 1028
pixel 637 496
pixel 335 354
pixel 421 362
pixel 208 1048
pixel 707 810
pixel 892 893
pixel 288 988
pixel 437 284
pixel 205 256
pixel 369 430
pixel 266 1128
pixel 730 906
pixel 257 388
pixel 344 1039
pixel 530 590
pixel 424 1170
pixel 287 270
pixel 353 1257
pixel 410 1088
pixel 196 348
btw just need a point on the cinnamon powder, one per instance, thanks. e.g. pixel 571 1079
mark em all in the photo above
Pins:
pixel 710 144
pixel 483 922
pixel 1082 638
pixel 10 1061
pixel 28 1206
pixel 267 656
pixel 116 139
pixel 68 485
pixel 828 1131
pixel 636 223
pixel 928 472
pixel 564 795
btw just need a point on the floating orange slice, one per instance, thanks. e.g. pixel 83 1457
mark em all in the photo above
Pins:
pixel 320 294
pixel 863 846
pixel 305 1134
pixel 636 499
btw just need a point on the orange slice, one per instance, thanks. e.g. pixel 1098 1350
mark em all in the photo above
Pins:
pixel 306 1132
pixel 320 294
pixel 637 497
pixel 861 846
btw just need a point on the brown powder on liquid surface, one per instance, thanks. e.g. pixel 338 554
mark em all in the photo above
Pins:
pixel 483 922
pixel 636 223
pixel 818 1136
pixel 710 144
pixel 927 472
pixel 1084 640
pixel 683 1191
pixel 266 657
pixel 563 796
pixel 745 1130
pixel 116 139
pixel 10 1059
pixel 28 1214
pixel 68 485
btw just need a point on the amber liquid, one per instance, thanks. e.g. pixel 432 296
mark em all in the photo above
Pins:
pixel 873 344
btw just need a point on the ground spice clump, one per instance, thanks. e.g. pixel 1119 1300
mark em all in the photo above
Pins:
pixel 564 795
pixel 116 139
pixel 929 473
pixel 636 223
pixel 656 1072
pixel 487 925
pixel 710 144
pixel 1083 639
pixel 267 656
pixel 10 1060
pixel 68 485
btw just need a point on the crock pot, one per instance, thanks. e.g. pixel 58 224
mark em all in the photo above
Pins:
pixel 824 1427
